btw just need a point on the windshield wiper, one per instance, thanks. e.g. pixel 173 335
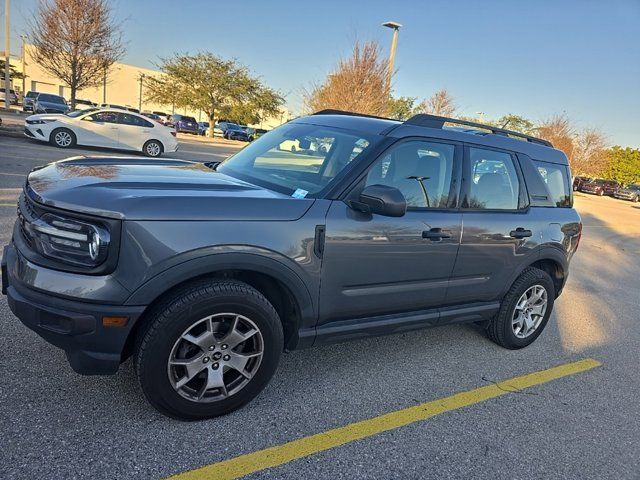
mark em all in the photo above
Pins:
pixel 212 165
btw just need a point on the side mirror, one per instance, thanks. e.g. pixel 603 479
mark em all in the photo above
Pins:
pixel 381 200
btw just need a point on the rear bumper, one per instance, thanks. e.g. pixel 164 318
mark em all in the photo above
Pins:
pixel 74 326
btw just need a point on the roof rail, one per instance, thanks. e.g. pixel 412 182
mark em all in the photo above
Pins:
pixel 435 121
pixel 330 111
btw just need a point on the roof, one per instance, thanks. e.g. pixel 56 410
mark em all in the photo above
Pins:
pixel 434 126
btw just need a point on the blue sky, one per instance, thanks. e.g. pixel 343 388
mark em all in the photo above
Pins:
pixel 534 58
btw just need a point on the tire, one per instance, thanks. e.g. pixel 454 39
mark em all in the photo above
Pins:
pixel 62 138
pixel 501 329
pixel 600 193
pixel 152 148
pixel 636 198
pixel 182 314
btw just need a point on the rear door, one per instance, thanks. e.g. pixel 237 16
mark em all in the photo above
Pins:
pixel 500 232
pixel 133 131
pixel 374 265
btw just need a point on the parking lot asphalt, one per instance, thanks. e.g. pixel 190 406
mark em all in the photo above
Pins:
pixel 56 424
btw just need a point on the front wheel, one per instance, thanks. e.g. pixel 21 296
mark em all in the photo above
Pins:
pixel 62 138
pixel 209 349
pixel 152 148
pixel 525 310
pixel 636 198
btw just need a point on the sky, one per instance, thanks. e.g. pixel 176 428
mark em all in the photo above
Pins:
pixel 531 58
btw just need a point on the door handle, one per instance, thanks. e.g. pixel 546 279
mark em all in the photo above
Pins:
pixel 520 233
pixel 436 234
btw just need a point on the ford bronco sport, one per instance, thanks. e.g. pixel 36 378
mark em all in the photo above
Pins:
pixel 205 273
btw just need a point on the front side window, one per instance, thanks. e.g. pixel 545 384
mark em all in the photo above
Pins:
pixel 297 159
pixel 556 178
pixel 494 181
pixel 103 117
pixel 421 170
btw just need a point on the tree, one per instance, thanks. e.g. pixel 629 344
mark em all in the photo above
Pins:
pixel 516 123
pixel 589 153
pixel 357 84
pixel 559 131
pixel 623 165
pixel 401 108
pixel 13 73
pixel 440 103
pixel 76 41
pixel 218 87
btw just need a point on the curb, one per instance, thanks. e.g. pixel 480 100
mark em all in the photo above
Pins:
pixel 10 132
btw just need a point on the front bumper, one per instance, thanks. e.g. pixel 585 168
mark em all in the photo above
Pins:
pixel 75 326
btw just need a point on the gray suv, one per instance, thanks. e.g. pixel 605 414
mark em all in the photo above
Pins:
pixel 206 273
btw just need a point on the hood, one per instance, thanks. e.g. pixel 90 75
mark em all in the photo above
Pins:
pixel 139 189
pixel 57 106
pixel 46 116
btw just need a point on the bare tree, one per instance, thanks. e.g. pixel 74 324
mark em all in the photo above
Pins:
pixel 440 103
pixel 586 149
pixel 559 131
pixel 76 41
pixel 358 84
pixel 590 153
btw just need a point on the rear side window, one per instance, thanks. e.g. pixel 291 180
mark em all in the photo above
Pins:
pixel 494 181
pixel 134 120
pixel 556 178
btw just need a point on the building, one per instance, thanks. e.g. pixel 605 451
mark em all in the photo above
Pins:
pixel 121 86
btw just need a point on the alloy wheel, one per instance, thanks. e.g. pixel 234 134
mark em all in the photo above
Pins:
pixel 153 149
pixel 529 311
pixel 215 358
pixel 63 139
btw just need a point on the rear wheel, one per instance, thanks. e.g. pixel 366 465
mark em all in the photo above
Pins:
pixel 209 349
pixel 525 310
pixel 62 138
pixel 636 198
pixel 152 148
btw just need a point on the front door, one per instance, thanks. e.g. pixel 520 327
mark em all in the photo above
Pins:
pixel 376 265
pixel 133 131
pixel 98 129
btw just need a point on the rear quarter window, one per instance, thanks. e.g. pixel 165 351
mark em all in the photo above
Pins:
pixel 556 178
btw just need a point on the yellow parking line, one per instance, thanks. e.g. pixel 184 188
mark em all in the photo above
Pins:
pixel 8 204
pixel 279 455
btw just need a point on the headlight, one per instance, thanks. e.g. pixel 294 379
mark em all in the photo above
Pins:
pixel 70 240
pixel 39 122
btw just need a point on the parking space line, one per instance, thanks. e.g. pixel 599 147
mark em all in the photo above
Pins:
pixel 279 455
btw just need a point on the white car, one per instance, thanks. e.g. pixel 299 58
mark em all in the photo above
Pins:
pixel 103 127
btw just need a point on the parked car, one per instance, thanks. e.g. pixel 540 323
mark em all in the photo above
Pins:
pixel 160 114
pixel 283 254
pixel 235 132
pixel 255 133
pixel 113 105
pixel 27 103
pixel 102 127
pixel 632 192
pixel 579 181
pixel 13 98
pixel 154 116
pixel 84 104
pixel 49 103
pixel 182 123
pixel 203 127
pixel 600 187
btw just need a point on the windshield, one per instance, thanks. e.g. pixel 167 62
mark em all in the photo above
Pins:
pixel 43 97
pixel 297 159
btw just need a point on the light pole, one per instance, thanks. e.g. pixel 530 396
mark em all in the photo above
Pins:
pixel 140 99
pixel 7 50
pixel 395 26
pixel 24 66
